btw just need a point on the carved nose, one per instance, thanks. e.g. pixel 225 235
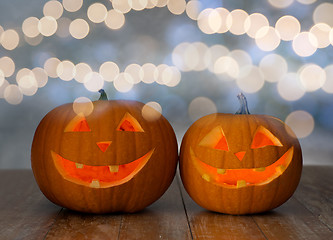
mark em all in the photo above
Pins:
pixel 104 145
pixel 240 155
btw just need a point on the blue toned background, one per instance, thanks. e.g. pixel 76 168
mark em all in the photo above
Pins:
pixel 186 58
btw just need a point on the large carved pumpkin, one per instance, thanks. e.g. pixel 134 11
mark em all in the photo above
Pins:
pixel 240 163
pixel 112 160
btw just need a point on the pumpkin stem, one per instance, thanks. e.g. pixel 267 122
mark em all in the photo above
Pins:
pixel 103 95
pixel 243 108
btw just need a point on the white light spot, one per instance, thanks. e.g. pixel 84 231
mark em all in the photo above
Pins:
pixel 254 22
pixel 201 106
pixel 83 105
pixel 97 12
pixel 250 79
pixel 301 122
pixel 93 82
pixel 82 70
pixel 312 77
pixel 288 27
pixel 7 66
pixel 151 111
pixel 123 82
pixel 236 20
pixel 47 26
pixel 267 38
pixel 305 44
pixel 13 94
pixel 323 14
pixel 66 70
pixel 109 71
pixel 79 28
pixel 50 67
pixel 114 19
pixel 328 85
pixel 9 39
pixel 274 67
pixel 322 33
pixel 290 87
pixel 53 9
pixel 72 5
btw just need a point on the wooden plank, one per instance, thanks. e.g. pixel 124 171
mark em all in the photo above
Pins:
pixel 292 221
pixel 165 219
pixel 315 192
pixel 24 211
pixel 79 226
pixel 209 225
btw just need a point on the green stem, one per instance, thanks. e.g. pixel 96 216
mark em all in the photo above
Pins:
pixel 103 95
pixel 243 108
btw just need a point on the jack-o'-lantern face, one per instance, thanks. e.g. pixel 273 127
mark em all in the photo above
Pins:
pixel 242 177
pixel 110 160
pixel 240 163
pixel 100 176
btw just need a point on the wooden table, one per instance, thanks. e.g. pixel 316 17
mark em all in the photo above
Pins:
pixel 26 214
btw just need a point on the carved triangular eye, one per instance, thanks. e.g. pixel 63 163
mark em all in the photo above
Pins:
pixel 130 124
pixel 215 139
pixel 263 137
pixel 78 124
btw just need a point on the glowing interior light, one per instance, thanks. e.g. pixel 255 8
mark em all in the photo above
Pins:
pixel 301 122
pixel 82 70
pixel 47 26
pixel 200 107
pixel 97 12
pixel 176 7
pixel 149 114
pixel 30 27
pixel 312 77
pixel 72 5
pixel 328 85
pixel 109 71
pixel 50 67
pixel 13 94
pixel 123 82
pixel 305 44
pixel 323 13
pixel 267 38
pixel 114 19
pixel 53 9
pixel 288 27
pixel 281 3
pixel 254 22
pixel 322 33
pixel 10 39
pixel 93 81
pixel 83 105
pixel 79 28
pixel 250 79
pixel 40 76
pixel 274 67
pixel 7 66
pixel 236 20
pixel 290 88
pixel 121 6
pixel 136 72
pixel 66 70
pixel 193 9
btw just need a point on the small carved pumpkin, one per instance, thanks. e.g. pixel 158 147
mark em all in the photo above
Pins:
pixel 240 163
pixel 109 161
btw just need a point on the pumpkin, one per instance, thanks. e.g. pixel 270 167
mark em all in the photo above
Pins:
pixel 240 163
pixel 112 160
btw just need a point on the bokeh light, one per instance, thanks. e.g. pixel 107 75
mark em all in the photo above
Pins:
pixel 201 106
pixel 53 9
pixel 50 66
pixel 13 94
pixel 288 27
pixel 323 14
pixel 322 33
pixel 93 82
pixel 149 114
pixel 83 106
pixel 150 73
pixel 123 82
pixel 226 65
pixel 136 72
pixel 193 9
pixel 267 38
pixel 114 19
pixel 82 70
pixel 176 7
pixel 301 122
pixel 47 26
pixel 328 85
pixel 109 71
pixel 254 22
pixel 281 3
pixel 72 5
pixel 305 44
pixel 41 76
pixel 66 70
pixel 250 79
pixel 236 20
pixel 30 27
pixel 79 28
pixel 274 67
pixel 9 39
pixel 7 66
pixel 121 6
pixel 312 77
pixel 290 87
pixel 97 12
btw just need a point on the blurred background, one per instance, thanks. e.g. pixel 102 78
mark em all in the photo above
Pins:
pixel 185 58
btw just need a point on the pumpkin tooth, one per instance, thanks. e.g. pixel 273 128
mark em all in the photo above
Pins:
pixel 114 168
pixel 221 171
pixel 206 177
pixel 95 184
pixel 241 183
pixel 78 165
pixel 280 168
pixel 261 169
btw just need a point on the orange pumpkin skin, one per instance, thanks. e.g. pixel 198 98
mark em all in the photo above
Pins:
pixel 92 167
pixel 221 179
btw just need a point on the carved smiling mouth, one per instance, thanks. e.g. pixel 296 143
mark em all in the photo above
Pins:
pixel 99 176
pixel 243 177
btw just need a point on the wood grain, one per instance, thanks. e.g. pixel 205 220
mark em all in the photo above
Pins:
pixel 209 225
pixel 316 192
pixel 24 211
